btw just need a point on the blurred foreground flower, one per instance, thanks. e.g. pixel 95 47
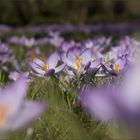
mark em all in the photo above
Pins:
pixel 15 111
pixel 119 103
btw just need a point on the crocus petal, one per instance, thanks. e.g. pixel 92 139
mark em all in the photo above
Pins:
pixel 121 63
pixel 25 74
pixel 86 56
pixel 87 66
pixel 73 53
pixel 96 63
pixel 99 106
pixel 39 75
pixel 59 68
pixel 13 95
pixel 33 66
pixel 29 112
pixel 38 62
pixel 53 60
pixel 68 62
pixel 108 69
pixel 102 75
pixel 17 88
pixel 50 72
pixel 131 88
pixel 39 71
pixel 14 75
pixel 36 69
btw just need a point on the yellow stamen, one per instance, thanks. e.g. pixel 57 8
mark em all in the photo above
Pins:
pixel 117 68
pixel 3 113
pixel 79 63
pixel 45 67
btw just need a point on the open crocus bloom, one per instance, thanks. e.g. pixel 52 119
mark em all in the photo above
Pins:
pixel 78 59
pixel 15 111
pixel 117 67
pixel 48 67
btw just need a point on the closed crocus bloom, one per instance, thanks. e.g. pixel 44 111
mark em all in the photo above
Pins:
pixel 15 111
pixel 46 67
pixel 5 53
pixel 24 41
pixel 56 41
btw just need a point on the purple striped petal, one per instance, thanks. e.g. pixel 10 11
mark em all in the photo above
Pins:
pixel 87 66
pixel 59 68
pixel 38 62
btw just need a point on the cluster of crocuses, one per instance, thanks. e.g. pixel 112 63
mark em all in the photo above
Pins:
pixel 96 56
pixel 84 61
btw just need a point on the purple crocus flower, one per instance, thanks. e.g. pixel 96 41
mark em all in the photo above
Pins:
pixel 5 53
pixel 24 41
pixel 77 59
pixel 67 45
pixel 117 67
pixel 48 67
pixel 16 75
pixel 15 111
pixel 56 40
pixel 27 42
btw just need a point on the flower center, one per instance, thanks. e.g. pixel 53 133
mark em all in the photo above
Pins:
pixel 117 68
pixel 79 63
pixel 3 113
pixel 45 67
